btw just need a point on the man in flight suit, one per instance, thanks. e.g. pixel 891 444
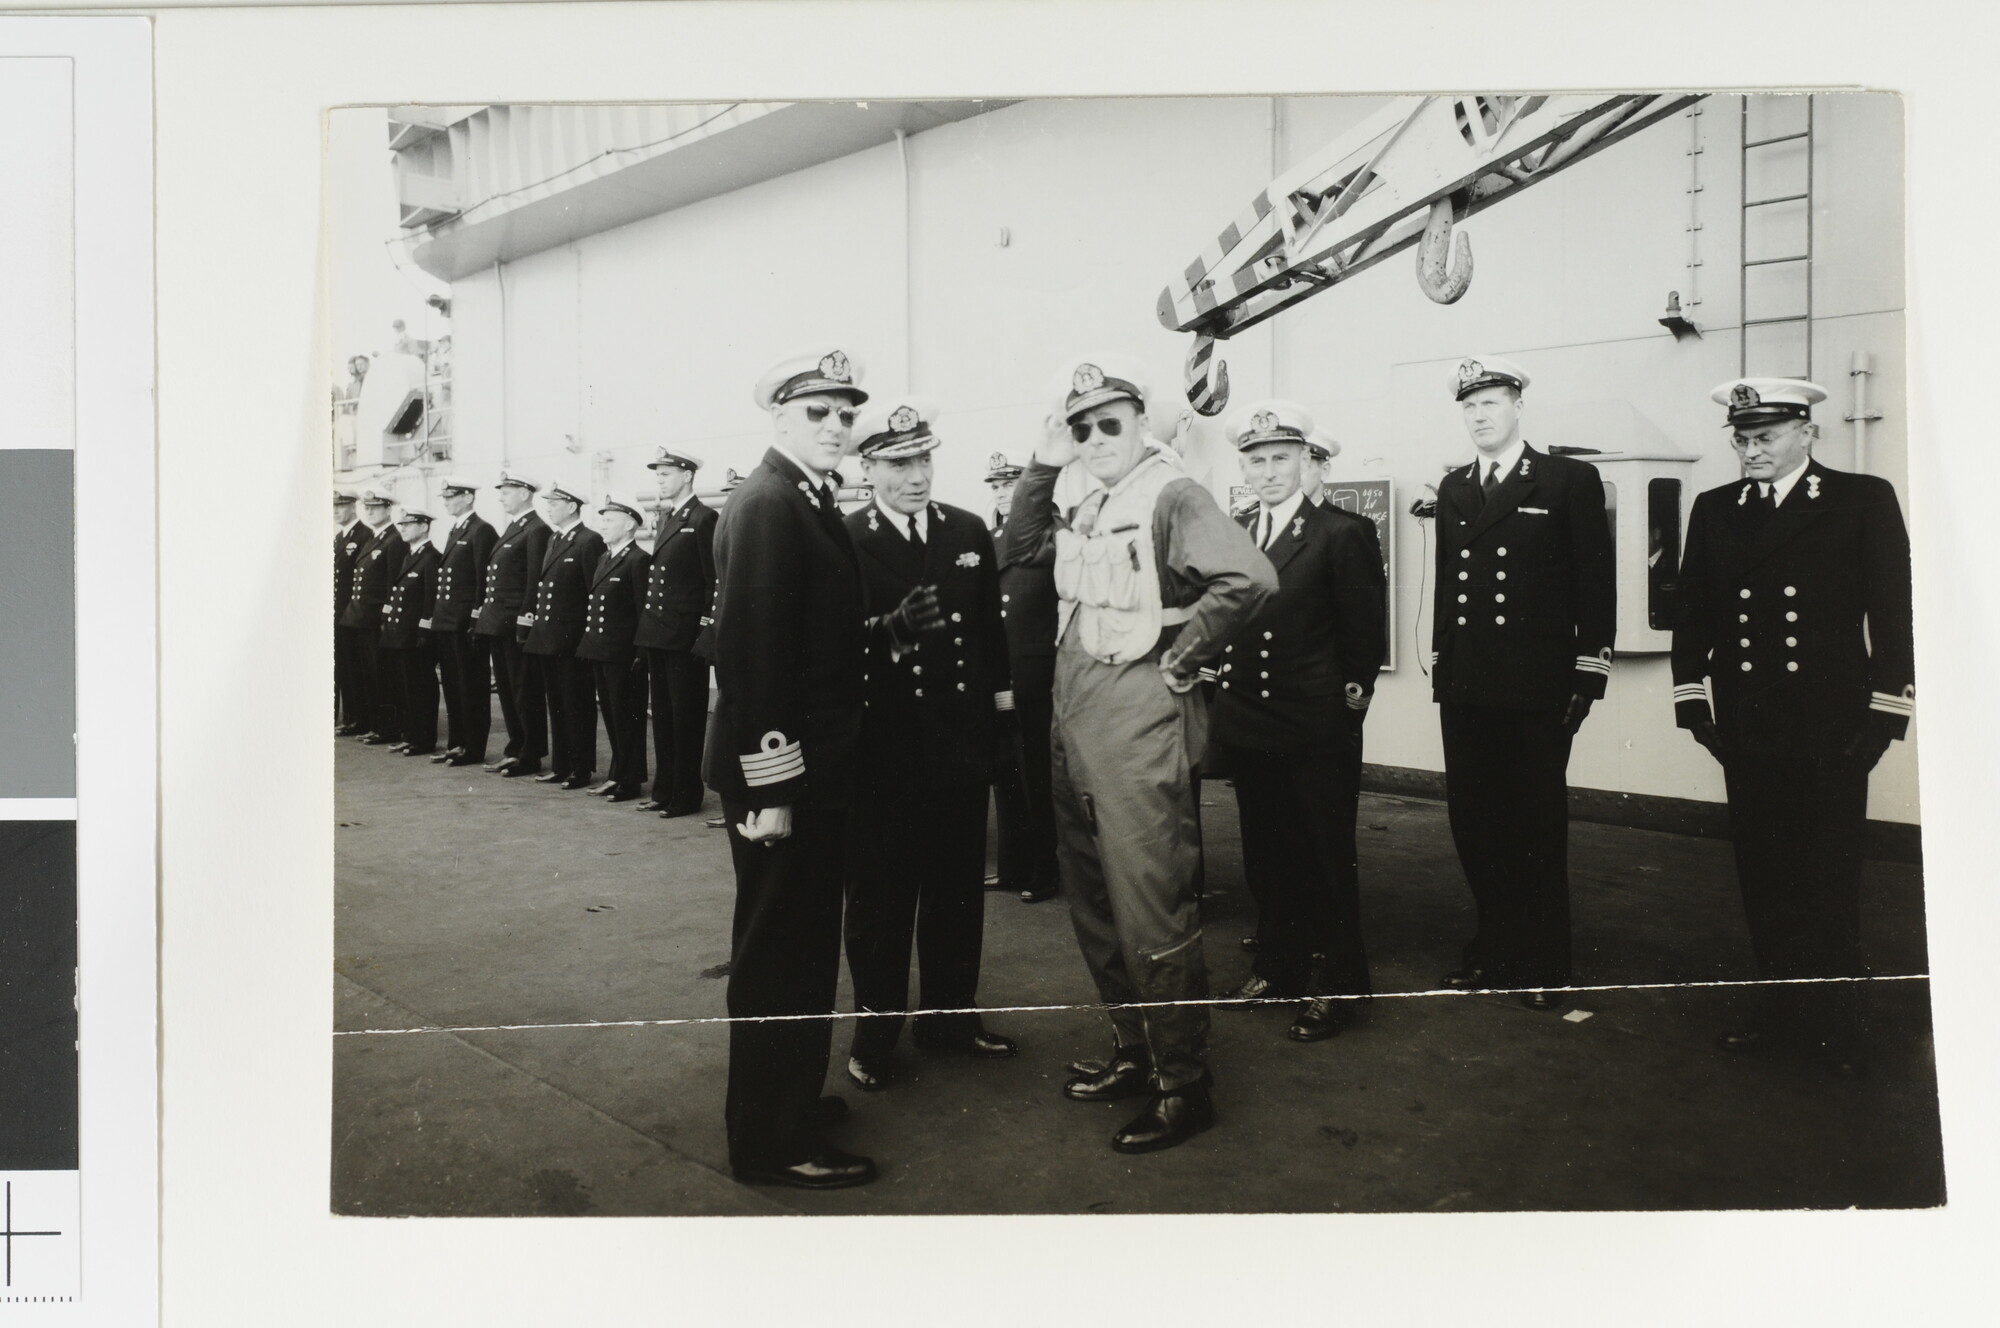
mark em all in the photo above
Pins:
pixel 1153 578
pixel 1793 665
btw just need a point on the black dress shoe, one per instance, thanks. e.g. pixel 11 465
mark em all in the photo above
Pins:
pixel 652 805
pixel 1038 896
pixel 829 1168
pixel 1254 988
pixel 1323 1017
pixel 1465 979
pixel 1169 1118
pixel 869 1076
pixel 673 809
pixel 522 768
pixel 713 822
pixel 466 760
pixel 376 740
pixel 580 780
pixel 618 794
pixel 416 751
pixel 1740 1040
pixel 1247 942
pixel 551 777
pixel 1126 1076
pixel 603 790
pixel 439 758
pixel 503 765
pixel 993 883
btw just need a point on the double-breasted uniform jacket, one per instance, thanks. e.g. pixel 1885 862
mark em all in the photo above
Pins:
pixel 512 573
pixel 376 564
pixel 931 707
pixel 462 573
pixel 788 640
pixel 1526 605
pixel 611 614
pixel 562 593
pixel 1027 591
pixel 347 543
pixel 412 597
pixel 680 584
pixel 1799 620
pixel 1303 666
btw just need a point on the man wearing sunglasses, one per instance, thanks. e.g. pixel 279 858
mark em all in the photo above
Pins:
pixel 1793 665
pixel 1152 579
pixel 788 641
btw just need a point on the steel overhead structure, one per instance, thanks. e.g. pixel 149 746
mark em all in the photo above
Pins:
pixel 1403 177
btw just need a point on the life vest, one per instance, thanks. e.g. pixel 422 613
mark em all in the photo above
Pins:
pixel 1107 570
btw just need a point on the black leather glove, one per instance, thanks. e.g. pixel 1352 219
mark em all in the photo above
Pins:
pixel 1577 711
pixel 918 613
pixel 1871 740
pixel 1704 733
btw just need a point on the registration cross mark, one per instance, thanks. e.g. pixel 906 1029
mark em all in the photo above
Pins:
pixel 9 1233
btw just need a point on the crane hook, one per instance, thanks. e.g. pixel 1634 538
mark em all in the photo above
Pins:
pixel 1444 287
pixel 1207 376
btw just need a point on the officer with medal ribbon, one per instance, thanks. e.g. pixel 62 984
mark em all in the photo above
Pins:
pixel 465 658
pixel 409 650
pixel 512 574
pixel 618 674
pixel 937 704
pixel 1292 689
pixel 789 643
pixel 1523 619
pixel 1793 665
pixel 555 623
pixel 1152 578
pixel 348 536
pixel 376 564
pixel 680 587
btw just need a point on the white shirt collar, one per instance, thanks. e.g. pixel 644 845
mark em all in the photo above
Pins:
pixel 901 521
pixel 825 482
pixel 1779 488
pixel 619 547
pixel 1280 514
pixel 1508 459
pixel 575 521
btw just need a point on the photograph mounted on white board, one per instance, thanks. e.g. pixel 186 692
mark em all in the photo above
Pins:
pixel 880 665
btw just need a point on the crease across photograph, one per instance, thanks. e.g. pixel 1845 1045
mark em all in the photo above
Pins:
pixel 1125 656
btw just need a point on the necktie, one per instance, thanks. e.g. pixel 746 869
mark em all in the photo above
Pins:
pixel 1492 480
pixel 1264 531
pixel 916 540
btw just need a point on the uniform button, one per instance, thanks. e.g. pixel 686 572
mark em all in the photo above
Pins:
pixel 1791 617
pixel 958 640
pixel 1745 592
pixel 1225 682
pixel 1461 599
pixel 1499 576
pixel 1461 622
pixel 1745 643
pixel 1499 599
pixel 1267 636
pixel 917 669
pixel 1006 599
pixel 1791 666
pixel 1791 640
pixel 1465 576
pixel 1003 613
pixel 955 617
pixel 1465 553
pixel 1228 649
pixel 1742 617
pixel 961 664
pixel 961 687
pixel 1263 654
pixel 1746 666
pixel 1501 552
pixel 1500 619
pixel 1266 694
pixel 1227 667
pixel 1791 590
pixel 920 691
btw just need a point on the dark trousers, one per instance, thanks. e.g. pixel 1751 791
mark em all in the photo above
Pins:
pixel 417 692
pixel 678 681
pixel 379 684
pixel 523 706
pixel 1799 827
pixel 346 686
pixel 784 960
pixel 571 692
pixel 1021 786
pixel 916 868
pixel 1506 783
pixel 621 702
pixel 1297 814
pixel 465 667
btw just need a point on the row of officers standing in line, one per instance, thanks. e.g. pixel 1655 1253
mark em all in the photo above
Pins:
pixel 1116 636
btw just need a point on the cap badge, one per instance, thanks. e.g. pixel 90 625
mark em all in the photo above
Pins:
pixel 998 461
pixel 903 419
pixel 1264 422
pixel 1088 378
pixel 1468 370
pixel 969 558
pixel 834 366
pixel 1743 397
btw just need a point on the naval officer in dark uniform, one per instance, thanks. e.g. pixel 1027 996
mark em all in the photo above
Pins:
pixel 788 640
pixel 1292 689
pixel 1028 613
pixel 376 563
pixel 348 536
pixel 1793 665
pixel 555 624
pixel 511 577
pixel 409 650
pixel 680 588
pixel 465 658
pixel 611 618
pixel 1523 620
pixel 937 705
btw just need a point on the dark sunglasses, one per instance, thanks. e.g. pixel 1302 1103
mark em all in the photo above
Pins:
pixel 1110 427
pixel 817 414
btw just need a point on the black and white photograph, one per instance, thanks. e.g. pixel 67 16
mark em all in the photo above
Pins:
pixel 1302 654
